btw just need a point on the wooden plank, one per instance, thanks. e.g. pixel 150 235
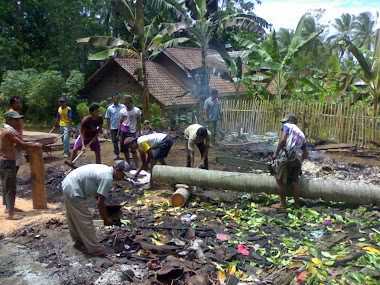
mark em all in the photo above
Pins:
pixel 334 146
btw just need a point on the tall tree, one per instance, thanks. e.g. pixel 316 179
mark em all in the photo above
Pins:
pixel 199 21
pixel 344 27
pixel 363 35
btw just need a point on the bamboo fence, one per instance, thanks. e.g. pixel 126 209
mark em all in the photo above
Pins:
pixel 340 123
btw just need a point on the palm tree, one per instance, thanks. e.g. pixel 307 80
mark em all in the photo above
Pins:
pixel 363 33
pixel 344 27
pixel 199 21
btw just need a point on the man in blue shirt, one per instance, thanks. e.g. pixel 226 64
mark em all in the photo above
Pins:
pixel 113 119
pixel 212 113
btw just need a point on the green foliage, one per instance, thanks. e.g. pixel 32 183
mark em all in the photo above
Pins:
pixel 40 91
pixel 157 118
pixel 82 110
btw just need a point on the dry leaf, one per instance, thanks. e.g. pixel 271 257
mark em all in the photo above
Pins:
pixel 221 276
pixel 316 261
pixel 231 269
pixel 156 242
pixel 296 264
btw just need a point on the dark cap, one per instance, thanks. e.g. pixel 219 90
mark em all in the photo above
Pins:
pixel 122 166
pixel 12 115
pixel 62 99
pixel 129 140
pixel 290 117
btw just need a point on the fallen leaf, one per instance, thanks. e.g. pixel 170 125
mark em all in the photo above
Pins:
pixel 316 261
pixel 156 242
pixel 368 248
pixel 296 264
pixel 231 269
pixel 221 276
pixel 222 237
pixel 159 222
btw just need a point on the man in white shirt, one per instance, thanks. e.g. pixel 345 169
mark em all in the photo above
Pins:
pixel 89 181
pixel 129 126
pixel 113 119
pixel 159 142
pixel 197 135
pixel 292 150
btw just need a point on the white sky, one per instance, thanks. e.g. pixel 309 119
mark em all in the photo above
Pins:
pixel 287 13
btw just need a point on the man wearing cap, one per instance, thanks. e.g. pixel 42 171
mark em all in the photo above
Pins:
pixel 198 135
pixel 159 142
pixel 292 142
pixel 113 118
pixel 89 181
pixel 64 116
pixel 16 105
pixel 10 138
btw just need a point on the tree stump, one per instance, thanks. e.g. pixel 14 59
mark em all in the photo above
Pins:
pixel 38 178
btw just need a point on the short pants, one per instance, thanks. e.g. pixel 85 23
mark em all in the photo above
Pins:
pixel 95 145
pixel 163 148
pixel 123 136
pixel 289 171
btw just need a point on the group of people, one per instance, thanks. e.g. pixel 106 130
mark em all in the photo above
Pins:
pixel 124 127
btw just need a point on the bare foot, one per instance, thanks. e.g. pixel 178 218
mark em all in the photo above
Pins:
pixel 14 217
pixel 14 209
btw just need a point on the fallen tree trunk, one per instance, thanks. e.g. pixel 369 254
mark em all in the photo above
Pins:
pixel 357 193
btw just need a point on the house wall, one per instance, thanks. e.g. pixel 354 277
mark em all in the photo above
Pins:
pixel 115 81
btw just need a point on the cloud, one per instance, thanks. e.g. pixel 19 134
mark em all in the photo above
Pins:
pixel 284 14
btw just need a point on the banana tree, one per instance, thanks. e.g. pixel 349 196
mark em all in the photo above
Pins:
pixel 269 61
pixel 132 12
pixel 199 21
pixel 371 72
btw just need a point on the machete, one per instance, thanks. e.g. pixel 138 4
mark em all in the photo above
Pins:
pixel 246 163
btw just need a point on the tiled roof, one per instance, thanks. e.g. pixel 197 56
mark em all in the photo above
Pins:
pixel 191 58
pixel 162 84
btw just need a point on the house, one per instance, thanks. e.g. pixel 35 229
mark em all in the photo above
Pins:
pixel 169 78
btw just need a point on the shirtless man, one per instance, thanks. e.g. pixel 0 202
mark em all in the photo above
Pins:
pixel 9 140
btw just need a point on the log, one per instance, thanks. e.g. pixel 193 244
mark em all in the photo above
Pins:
pixel 357 193
pixel 180 196
pixel 38 178
pixel 334 146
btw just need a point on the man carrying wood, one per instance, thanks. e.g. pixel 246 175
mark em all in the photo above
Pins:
pixel 197 135
pixel 159 142
pixel 292 143
pixel 10 139
pixel 64 116
pixel 90 127
pixel 89 181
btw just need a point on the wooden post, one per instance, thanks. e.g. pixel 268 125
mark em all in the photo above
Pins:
pixel 38 178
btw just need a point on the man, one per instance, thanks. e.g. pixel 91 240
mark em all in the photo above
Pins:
pixel 292 143
pixel 16 105
pixel 90 127
pixel 130 123
pixel 64 116
pixel 197 135
pixel 113 119
pixel 89 181
pixel 212 113
pixel 10 138
pixel 159 142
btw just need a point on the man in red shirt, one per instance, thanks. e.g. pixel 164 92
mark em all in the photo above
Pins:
pixel 90 127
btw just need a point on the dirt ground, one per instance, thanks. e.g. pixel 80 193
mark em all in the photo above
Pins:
pixel 38 250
